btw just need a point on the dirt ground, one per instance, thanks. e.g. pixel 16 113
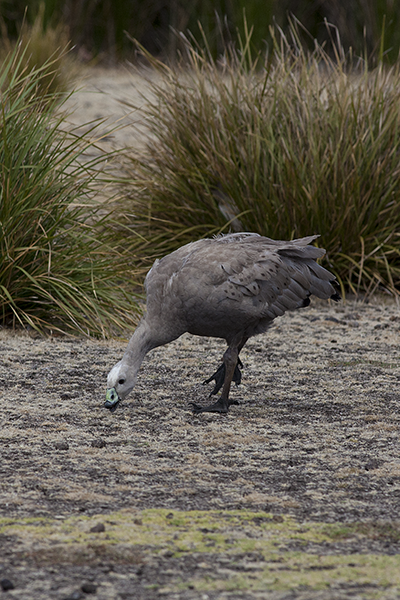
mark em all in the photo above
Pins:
pixel 294 495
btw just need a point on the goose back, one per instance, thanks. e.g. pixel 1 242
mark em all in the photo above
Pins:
pixel 234 285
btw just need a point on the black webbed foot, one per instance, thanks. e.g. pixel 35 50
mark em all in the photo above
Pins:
pixel 219 377
pixel 218 407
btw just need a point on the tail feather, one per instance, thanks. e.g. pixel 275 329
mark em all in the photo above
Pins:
pixel 302 253
pixel 321 289
pixel 319 271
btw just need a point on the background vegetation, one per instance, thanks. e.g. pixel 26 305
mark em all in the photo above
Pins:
pixel 59 270
pixel 97 27
pixel 248 130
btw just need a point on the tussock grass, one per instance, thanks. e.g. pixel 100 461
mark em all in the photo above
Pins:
pixel 58 268
pixel 44 47
pixel 286 144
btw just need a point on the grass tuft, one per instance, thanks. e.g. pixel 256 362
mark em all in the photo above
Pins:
pixel 45 48
pixel 286 144
pixel 59 270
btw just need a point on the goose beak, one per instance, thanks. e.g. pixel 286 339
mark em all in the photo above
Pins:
pixel 112 399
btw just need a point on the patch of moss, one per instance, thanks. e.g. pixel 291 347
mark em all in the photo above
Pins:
pixel 288 555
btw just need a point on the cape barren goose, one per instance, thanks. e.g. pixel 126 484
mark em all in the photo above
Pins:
pixel 232 287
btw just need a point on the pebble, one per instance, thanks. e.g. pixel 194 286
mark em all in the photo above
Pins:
pixel 99 528
pixel 89 588
pixel 6 584
pixel 61 445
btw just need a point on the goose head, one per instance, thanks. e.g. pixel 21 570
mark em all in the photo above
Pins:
pixel 120 382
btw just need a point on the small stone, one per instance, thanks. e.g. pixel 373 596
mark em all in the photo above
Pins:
pixel 61 445
pixel 89 588
pixel 99 528
pixel 6 584
pixel 98 443
pixel 277 518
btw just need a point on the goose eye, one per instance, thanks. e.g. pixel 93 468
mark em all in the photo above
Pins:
pixel 121 381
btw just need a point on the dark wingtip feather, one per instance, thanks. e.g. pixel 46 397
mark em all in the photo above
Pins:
pixel 336 297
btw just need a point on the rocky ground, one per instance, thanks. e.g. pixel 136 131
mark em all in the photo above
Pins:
pixel 294 495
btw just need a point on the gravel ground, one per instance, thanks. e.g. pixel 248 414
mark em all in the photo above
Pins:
pixel 294 495
pixel 224 506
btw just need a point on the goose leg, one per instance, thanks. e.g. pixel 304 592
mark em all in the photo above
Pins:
pixel 219 377
pixel 231 359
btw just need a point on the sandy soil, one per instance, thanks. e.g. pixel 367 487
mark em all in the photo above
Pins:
pixel 111 99
pixel 295 494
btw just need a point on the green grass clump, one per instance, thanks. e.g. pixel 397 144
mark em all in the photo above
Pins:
pixel 287 144
pixel 58 268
